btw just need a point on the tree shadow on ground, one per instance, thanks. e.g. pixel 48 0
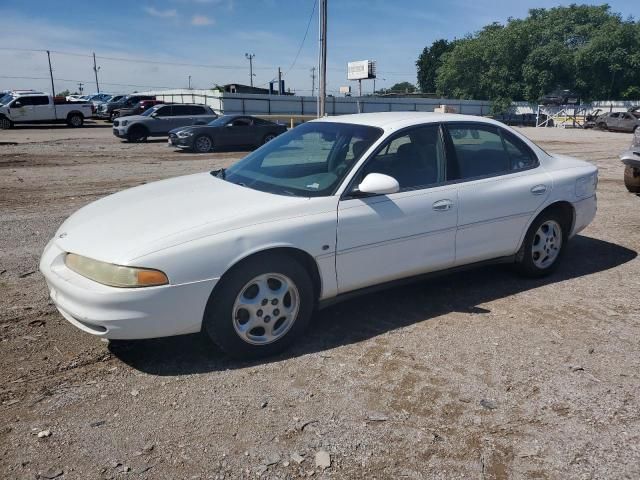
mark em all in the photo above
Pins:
pixel 371 315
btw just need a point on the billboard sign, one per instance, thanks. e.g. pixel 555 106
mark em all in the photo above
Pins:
pixel 361 70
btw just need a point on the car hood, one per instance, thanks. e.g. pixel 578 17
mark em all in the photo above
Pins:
pixel 193 128
pixel 126 225
pixel 131 118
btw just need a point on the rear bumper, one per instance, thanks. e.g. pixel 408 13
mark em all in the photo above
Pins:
pixel 123 313
pixel 585 212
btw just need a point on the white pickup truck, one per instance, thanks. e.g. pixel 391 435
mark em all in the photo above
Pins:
pixel 38 107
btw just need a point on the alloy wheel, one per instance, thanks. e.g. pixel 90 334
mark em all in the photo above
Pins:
pixel 203 144
pixel 547 243
pixel 266 308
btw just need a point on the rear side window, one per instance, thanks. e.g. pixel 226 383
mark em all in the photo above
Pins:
pixel 485 150
pixel 42 100
pixel 520 156
pixel 197 110
pixel 179 110
pixel 164 111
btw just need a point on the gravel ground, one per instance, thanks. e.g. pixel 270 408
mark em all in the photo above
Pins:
pixel 477 375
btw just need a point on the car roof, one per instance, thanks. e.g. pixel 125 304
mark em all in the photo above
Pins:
pixel 395 120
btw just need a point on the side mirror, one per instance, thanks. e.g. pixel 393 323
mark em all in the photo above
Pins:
pixel 378 184
pixel 229 125
pixel 17 104
pixel 154 115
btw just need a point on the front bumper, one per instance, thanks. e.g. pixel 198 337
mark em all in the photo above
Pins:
pixel 175 141
pixel 585 212
pixel 123 313
pixel 120 132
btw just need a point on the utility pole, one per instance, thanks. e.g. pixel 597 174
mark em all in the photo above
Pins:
pixel 249 56
pixel 280 92
pixel 313 81
pixel 80 89
pixel 189 82
pixel 322 57
pixel 95 70
pixel 53 89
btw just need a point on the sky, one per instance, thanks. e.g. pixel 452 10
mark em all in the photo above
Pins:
pixel 147 44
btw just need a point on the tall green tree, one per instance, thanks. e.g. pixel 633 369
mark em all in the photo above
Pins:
pixel 580 47
pixel 428 63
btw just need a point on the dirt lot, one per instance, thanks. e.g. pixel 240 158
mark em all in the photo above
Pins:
pixel 479 375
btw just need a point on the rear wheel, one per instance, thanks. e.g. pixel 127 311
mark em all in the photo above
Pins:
pixel 260 306
pixel 632 179
pixel 543 245
pixel 5 123
pixel 202 144
pixel 75 120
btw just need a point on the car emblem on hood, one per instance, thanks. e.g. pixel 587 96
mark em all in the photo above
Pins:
pixel 62 235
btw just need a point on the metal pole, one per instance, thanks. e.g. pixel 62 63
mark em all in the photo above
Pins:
pixel 95 70
pixel 53 89
pixel 280 92
pixel 249 56
pixel 313 81
pixel 189 82
pixel 322 73
pixel 360 87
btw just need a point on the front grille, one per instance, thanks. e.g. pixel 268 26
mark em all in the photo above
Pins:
pixel 116 123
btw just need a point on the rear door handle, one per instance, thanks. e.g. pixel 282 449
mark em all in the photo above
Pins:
pixel 539 189
pixel 442 205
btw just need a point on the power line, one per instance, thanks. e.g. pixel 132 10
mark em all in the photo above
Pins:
pixel 306 32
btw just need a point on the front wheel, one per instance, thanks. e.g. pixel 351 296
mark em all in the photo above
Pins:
pixel 260 306
pixel 268 137
pixel 202 144
pixel 543 245
pixel 137 134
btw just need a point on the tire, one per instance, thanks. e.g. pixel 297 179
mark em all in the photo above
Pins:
pixel 538 256
pixel 202 144
pixel 5 123
pixel 226 321
pixel 137 134
pixel 75 120
pixel 601 126
pixel 632 178
pixel 268 137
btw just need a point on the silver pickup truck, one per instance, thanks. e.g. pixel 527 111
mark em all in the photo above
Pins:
pixel 158 120
pixel 39 107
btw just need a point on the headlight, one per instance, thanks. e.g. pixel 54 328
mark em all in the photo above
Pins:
pixel 114 275
pixel 125 123
pixel 184 134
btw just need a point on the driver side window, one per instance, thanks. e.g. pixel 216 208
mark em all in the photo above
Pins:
pixel 415 158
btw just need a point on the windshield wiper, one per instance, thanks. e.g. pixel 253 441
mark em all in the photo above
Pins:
pixel 220 173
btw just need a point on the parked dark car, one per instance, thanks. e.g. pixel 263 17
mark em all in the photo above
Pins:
pixel 226 131
pixel 137 109
pixel 106 110
pixel 560 97
pixel 523 119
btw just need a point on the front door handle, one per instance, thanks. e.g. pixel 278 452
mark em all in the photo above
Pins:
pixel 442 205
pixel 539 189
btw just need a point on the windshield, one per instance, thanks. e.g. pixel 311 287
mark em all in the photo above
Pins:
pixel 220 121
pixel 6 99
pixel 309 160
pixel 151 110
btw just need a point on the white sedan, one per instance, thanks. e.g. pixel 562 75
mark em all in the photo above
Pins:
pixel 333 207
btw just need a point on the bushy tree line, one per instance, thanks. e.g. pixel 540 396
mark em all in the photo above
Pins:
pixel 585 48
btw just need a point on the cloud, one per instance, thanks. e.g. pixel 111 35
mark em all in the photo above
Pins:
pixel 201 20
pixel 154 12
